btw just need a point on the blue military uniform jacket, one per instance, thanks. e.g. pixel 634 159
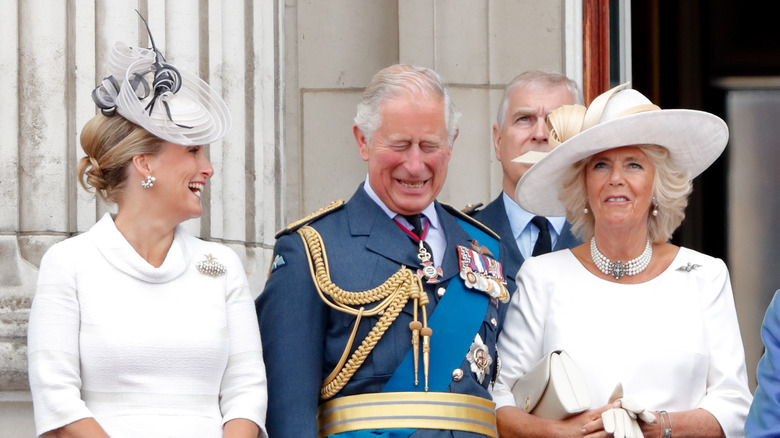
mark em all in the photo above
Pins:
pixel 494 216
pixel 303 338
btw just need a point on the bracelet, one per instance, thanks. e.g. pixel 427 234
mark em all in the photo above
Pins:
pixel 666 424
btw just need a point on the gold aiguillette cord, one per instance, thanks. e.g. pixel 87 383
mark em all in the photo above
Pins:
pixel 426 334
pixel 420 328
pixel 415 327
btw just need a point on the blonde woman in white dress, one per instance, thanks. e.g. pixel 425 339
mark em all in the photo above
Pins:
pixel 137 328
pixel 628 306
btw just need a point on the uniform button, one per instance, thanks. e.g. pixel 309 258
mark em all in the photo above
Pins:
pixel 493 321
pixel 441 291
pixel 457 374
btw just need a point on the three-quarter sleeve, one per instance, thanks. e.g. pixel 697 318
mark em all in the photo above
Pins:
pixel 521 342
pixel 53 343
pixel 728 397
pixel 243 392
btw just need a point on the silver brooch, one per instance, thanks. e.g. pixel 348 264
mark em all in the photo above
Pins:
pixel 688 268
pixel 479 358
pixel 210 266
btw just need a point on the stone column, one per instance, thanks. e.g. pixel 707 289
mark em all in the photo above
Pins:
pixel 52 57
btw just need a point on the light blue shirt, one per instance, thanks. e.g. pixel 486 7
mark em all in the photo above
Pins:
pixel 435 236
pixel 524 232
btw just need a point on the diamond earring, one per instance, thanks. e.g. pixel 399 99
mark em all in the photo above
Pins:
pixel 148 183
pixel 655 207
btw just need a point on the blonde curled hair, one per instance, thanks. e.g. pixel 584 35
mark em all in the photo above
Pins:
pixel 110 144
pixel 671 187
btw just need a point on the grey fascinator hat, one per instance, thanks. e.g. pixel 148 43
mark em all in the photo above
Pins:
pixel 173 105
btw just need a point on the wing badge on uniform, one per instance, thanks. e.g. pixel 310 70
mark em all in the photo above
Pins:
pixel 278 262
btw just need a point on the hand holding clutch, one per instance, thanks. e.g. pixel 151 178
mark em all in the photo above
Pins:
pixel 554 388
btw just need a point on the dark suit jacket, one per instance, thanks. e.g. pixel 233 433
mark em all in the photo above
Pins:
pixel 494 216
pixel 303 338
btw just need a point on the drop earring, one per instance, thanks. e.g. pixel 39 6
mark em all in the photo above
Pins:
pixel 655 207
pixel 148 183
pixel 585 210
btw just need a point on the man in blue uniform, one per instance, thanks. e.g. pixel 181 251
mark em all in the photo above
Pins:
pixel 521 127
pixel 380 315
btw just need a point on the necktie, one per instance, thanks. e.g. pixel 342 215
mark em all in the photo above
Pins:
pixel 543 241
pixel 415 220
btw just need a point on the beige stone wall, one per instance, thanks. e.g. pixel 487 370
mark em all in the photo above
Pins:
pixel 476 45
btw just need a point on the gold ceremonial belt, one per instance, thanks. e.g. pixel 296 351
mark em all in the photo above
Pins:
pixel 412 410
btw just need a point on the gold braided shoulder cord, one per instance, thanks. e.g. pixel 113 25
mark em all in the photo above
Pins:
pixel 390 296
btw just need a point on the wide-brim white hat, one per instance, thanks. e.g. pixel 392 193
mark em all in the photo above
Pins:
pixel 617 118
pixel 195 114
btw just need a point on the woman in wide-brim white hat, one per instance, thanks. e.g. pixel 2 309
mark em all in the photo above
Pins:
pixel 628 306
pixel 137 328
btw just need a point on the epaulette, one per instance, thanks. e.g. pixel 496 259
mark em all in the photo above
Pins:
pixel 291 228
pixel 463 216
pixel 471 208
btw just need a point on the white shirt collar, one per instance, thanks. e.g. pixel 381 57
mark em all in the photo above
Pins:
pixel 429 211
pixel 519 218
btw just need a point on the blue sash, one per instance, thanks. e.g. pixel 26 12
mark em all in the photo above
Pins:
pixel 458 316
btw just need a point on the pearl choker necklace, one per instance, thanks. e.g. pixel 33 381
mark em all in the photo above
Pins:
pixel 617 268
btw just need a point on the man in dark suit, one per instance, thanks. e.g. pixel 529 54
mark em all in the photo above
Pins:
pixel 390 299
pixel 521 126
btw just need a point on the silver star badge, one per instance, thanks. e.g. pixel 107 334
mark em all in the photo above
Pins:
pixel 479 358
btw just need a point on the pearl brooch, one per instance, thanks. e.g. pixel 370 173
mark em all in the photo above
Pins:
pixel 210 266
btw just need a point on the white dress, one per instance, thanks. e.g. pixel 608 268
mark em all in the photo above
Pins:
pixel 673 342
pixel 147 352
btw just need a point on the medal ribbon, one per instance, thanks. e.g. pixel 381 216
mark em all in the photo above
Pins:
pixel 414 237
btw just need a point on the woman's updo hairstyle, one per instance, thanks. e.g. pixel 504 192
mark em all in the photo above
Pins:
pixel 110 144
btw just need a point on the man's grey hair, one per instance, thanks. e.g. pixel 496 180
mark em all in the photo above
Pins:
pixel 538 79
pixel 395 81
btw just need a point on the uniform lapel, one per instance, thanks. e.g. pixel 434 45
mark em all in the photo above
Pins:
pixel 513 257
pixel 384 237
pixel 566 238
pixel 456 235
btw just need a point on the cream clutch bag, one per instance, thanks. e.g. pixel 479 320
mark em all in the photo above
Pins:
pixel 554 388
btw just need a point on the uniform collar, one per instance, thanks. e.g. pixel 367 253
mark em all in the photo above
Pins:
pixel 429 211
